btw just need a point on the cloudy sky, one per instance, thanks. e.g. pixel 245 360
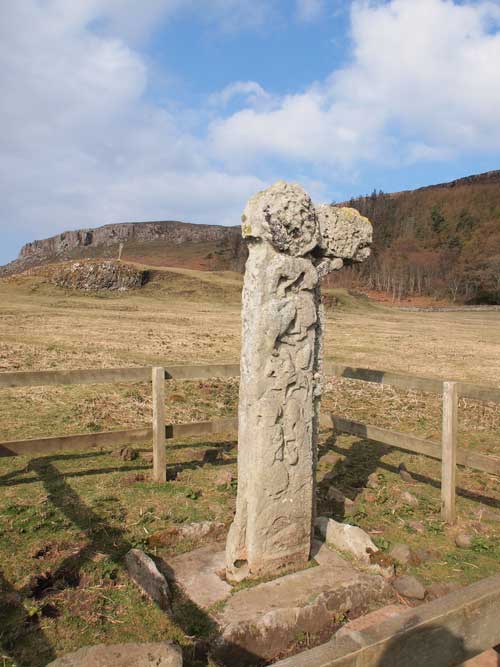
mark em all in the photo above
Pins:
pixel 119 110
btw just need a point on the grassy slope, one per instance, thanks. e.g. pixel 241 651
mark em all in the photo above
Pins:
pixel 75 515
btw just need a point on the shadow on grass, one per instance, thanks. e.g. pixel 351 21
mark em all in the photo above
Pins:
pixel 17 628
pixel 79 473
pixel 365 456
pixel 102 538
pixel 9 479
pixel 175 468
pixel 5 480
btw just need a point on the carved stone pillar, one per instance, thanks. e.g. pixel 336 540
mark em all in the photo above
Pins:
pixel 291 245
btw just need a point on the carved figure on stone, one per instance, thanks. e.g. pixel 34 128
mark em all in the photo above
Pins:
pixel 292 244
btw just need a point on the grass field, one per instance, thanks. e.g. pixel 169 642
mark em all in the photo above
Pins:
pixel 67 520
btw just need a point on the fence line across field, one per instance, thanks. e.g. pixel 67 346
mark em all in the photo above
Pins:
pixel 446 451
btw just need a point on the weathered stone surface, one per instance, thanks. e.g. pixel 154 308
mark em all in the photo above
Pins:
pixel 409 499
pixel 405 476
pixel 161 654
pixel 127 453
pixel 371 620
pixel 190 531
pixel 265 620
pixel 90 276
pixel 330 458
pixel 401 554
pixel 144 572
pixel 416 526
pixel 350 539
pixel 77 243
pixel 463 540
pixel 373 481
pixel 343 232
pixel 198 572
pixel 439 590
pixel 290 248
pixel 409 587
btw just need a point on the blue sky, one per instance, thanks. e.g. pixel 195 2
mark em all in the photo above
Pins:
pixel 118 110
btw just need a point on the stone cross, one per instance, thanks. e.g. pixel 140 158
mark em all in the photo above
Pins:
pixel 292 244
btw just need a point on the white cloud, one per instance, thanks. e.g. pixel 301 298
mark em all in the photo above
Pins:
pixel 249 92
pixel 424 82
pixel 309 10
pixel 80 145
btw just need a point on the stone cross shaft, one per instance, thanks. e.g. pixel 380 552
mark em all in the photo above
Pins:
pixel 292 244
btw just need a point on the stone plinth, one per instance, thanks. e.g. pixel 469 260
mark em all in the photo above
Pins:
pixel 265 620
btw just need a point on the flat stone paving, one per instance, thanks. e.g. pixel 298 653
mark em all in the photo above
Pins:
pixel 196 573
pixel 293 590
pixel 262 621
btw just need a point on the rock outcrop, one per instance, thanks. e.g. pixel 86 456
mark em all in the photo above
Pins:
pixel 85 242
pixel 93 276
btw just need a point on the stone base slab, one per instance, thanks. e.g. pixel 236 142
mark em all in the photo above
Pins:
pixel 197 574
pixel 267 619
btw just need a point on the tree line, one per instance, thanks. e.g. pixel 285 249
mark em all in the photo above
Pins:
pixel 443 244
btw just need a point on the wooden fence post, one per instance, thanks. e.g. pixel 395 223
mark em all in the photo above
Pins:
pixel 159 441
pixel 449 453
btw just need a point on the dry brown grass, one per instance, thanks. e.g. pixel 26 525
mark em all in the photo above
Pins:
pixel 184 316
pixel 190 316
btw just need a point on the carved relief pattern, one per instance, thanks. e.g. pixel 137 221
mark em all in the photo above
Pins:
pixel 279 385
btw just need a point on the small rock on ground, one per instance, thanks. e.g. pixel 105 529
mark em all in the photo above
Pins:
pixel 423 555
pixel 401 553
pixel 416 526
pixel 409 587
pixel 330 458
pixel 225 478
pixel 463 541
pixel 404 474
pixel 146 575
pixel 350 507
pixel 409 499
pixel 128 454
pixel 344 537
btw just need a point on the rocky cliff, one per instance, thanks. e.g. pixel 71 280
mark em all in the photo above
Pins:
pixel 104 241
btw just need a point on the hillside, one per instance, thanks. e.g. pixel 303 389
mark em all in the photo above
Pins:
pixel 163 243
pixel 441 240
